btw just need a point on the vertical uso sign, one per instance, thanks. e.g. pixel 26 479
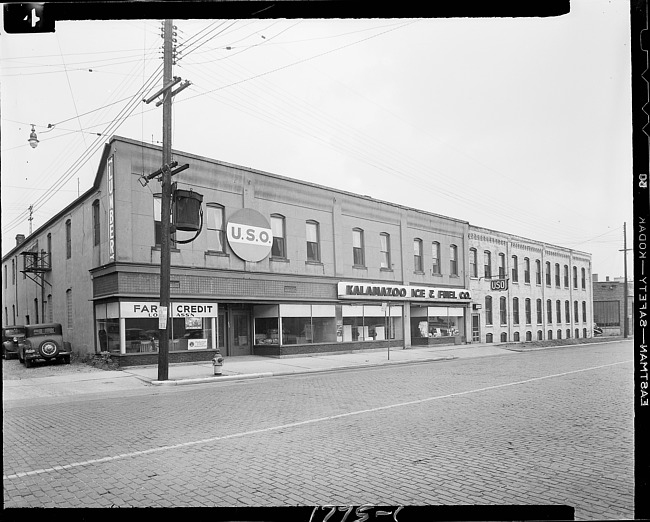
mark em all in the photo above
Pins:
pixel 111 210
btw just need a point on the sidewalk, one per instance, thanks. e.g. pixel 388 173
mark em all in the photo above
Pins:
pixel 237 368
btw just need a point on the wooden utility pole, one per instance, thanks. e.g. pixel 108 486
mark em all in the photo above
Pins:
pixel 626 326
pixel 165 212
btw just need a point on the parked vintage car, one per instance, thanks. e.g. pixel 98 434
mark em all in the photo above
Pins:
pixel 43 342
pixel 11 335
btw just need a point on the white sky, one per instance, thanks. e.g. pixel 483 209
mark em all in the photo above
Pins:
pixel 519 125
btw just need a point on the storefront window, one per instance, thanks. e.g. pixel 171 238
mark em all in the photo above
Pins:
pixel 108 333
pixel 371 323
pixel 437 321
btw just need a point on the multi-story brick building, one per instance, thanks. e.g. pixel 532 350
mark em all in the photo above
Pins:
pixel 278 267
pixel 525 290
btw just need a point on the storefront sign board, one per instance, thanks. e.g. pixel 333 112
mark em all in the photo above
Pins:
pixel 384 292
pixel 152 309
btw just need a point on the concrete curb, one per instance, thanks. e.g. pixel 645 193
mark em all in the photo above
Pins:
pixel 222 378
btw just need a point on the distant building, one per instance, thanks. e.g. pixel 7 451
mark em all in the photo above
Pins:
pixel 280 267
pixel 609 304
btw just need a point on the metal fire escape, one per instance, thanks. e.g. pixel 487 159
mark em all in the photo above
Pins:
pixel 36 264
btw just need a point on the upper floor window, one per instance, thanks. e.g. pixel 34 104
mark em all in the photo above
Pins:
pixel 515 310
pixel 526 270
pixel 384 248
pixel 548 273
pixel 584 311
pixel 473 269
pixel 96 225
pixel 566 276
pixel 49 250
pixel 215 227
pixel 528 311
pixel 487 264
pixel 417 255
pixel 503 311
pixel 583 276
pixel 538 310
pixel 557 275
pixel 157 212
pixel 549 311
pixel 68 239
pixel 576 317
pixel 567 312
pixel 279 248
pixel 13 271
pixel 453 260
pixel 515 269
pixel 6 274
pixel 488 309
pixel 558 311
pixel 502 266
pixel 358 247
pixel 435 257
pixel 575 277
pixel 538 272
pixel 313 240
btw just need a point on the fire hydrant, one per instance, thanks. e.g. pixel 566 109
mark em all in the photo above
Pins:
pixel 217 363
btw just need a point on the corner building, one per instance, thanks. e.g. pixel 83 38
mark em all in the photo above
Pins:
pixel 279 267
pixel 524 290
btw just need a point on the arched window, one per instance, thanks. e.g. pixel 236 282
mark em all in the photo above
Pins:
pixel 529 336
pixel 566 276
pixel 515 336
pixel 549 311
pixel 417 255
pixel 575 277
pixel 568 333
pixel 487 264
pixel 528 311
pixel 504 337
pixel 577 333
pixel 68 239
pixel 515 269
pixel 453 260
pixel 502 266
pixel 557 275
pixel 473 268
pixel 515 310
pixel 526 270
pixel 358 248
pixel 538 272
pixel 559 334
pixel 488 309
pixel 96 225
pixel 583 278
pixel 538 306
pixel 584 333
pixel 548 273
pixel 215 227
pixel 488 338
pixel 279 247
pixel 584 311
pixel 550 335
pixel 503 310
pixel 435 258
pixel 384 248
pixel 558 311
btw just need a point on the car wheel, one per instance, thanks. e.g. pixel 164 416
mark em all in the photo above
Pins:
pixel 49 349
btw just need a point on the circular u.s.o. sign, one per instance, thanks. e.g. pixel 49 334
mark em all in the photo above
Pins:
pixel 249 235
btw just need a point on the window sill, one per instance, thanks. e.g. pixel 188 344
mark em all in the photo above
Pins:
pixel 157 248
pixel 418 272
pixel 436 274
pixel 215 253
pixel 383 269
pixel 360 267
pixel 279 259
pixel 314 263
pixel 454 276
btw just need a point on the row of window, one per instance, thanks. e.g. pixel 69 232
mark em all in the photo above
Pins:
pixel 489 338
pixel 502 270
pixel 503 311
pixel 45 312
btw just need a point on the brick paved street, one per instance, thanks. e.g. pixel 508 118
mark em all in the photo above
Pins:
pixel 545 427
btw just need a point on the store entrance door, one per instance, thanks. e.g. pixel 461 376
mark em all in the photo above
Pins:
pixel 239 335
pixel 476 328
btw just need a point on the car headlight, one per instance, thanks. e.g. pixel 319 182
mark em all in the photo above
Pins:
pixel 30 350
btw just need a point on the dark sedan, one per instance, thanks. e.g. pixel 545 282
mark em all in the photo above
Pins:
pixel 11 336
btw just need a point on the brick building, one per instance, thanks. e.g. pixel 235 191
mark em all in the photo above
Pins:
pixel 279 267
pixel 609 305
pixel 525 290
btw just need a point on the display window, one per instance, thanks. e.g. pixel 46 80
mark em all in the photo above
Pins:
pixel 290 324
pixel 437 321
